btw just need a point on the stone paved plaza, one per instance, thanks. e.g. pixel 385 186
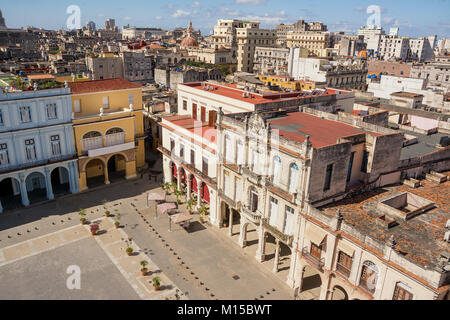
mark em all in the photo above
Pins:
pixel 39 243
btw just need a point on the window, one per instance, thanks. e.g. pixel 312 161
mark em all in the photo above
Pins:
pixel 253 200
pixel 227 150
pixel 316 251
pixel 192 157
pixel 1 118
pixel 289 221
pixel 238 189
pixel 30 150
pixel 25 114
pixel 328 175
pixel 105 102
pixel 77 106
pixel 344 264
pixel 4 158
pixel 172 145
pixel 56 146
pixel 365 162
pixel 182 152
pixel 51 111
pixel 205 165
pixel 402 292
pixel 276 170
pixel 184 105
pixel 273 213
pixel 130 99
pixel 293 178
pixel 369 276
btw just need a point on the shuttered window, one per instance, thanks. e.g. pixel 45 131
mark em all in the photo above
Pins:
pixel 401 293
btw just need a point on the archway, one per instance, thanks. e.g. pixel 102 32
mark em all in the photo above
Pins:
pixel 95 173
pixel 173 170
pixel 311 284
pixel 10 194
pixel 205 192
pixel 339 293
pixel 36 187
pixel 236 221
pixel 224 214
pixel 60 181
pixel 116 168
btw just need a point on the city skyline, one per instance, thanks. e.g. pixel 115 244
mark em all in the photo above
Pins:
pixel 429 19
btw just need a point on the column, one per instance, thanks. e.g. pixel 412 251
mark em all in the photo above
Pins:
pixel 324 289
pixel 48 184
pixel 23 190
pixel 178 178
pixel 292 268
pixel 261 252
pixel 277 256
pixel 106 174
pixel 230 227
pixel 199 194
pixel 243 233
pixel 300 280
pixel 75 177
pixel 188 194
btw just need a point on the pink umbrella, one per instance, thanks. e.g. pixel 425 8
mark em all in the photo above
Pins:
pixel 155 196
pixel 164 207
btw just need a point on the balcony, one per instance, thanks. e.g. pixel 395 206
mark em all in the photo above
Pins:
pixel 94 147
pixel 277 233
pixel 33 163
pixel 92 143
pixel 343 270
pixel 252 216
pixel 313 260
pixel 115 139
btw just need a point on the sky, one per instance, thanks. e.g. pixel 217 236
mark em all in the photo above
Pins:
pixel 414 18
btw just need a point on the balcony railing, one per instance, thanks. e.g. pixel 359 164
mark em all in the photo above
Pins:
pixel 343 270
pixel 277 233
pixel 313 260
pixel 92 143
pixel 252 216
pixel 34 163
pixel 115 139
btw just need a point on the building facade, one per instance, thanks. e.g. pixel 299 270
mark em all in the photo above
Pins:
pixel 315 42
pixel 271 61
pixel 105 66
pixel 108 130
pixel 37 153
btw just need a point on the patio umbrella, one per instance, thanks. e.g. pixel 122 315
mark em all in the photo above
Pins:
pixel 164 207
pixel 179 218
pixel 156 196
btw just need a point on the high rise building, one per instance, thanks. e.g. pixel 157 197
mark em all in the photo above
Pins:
pixel 2 21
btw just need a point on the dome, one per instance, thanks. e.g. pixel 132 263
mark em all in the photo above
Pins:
pixel 189 41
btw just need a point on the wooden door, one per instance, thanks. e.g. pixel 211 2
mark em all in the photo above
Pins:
pixel 316 251
pixel 203 114
pixel 194 111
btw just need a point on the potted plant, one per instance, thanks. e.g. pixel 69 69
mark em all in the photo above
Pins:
pixel 117 222
pixel 129 249
pixel 156 283
pixel 178 194
pixel 166 187
pixel 203 212
pixel 144 267
pixel 191 205
pixel 94 228
pixel 107 213
pixel 82 214
pixel 173 186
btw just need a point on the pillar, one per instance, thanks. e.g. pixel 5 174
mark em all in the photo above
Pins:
pixel 188 194
pixel 261 252
pixel 23 190
pixel 300 280
pixel 199 194
pixel 277 256
pixel 106 174
pixel 243 234
pixel 48 184
pixel 324 289
pixel 230 227
pixel 178 178
pixel 292 268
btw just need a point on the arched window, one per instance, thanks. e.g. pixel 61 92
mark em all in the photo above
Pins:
pixel 276 170
pixel 369 276
pixel 115 136
pixel 92 134
pixel 253 199
pixel 92 140
pixel 293 178
pixel 114 131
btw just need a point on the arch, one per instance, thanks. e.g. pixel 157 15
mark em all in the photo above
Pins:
pixel 205 192
pixel 253 198
pixel 369 276
pixel 339 293
pixel 95 172
pixel 92 134
pixel 312 281
pixel 36 186
pixel 116 165
pixel 114 130
pixel 224 214
pixel 60 180
pixel 194 184
pixel 10 196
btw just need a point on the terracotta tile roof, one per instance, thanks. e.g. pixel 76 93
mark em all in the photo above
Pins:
pixel 101 85
pixel 419 239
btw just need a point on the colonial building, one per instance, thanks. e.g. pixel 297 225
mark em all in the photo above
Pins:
pixel 108 130
pixel 37 153
pixel 288 191
pixel 271 61
pixel 315 42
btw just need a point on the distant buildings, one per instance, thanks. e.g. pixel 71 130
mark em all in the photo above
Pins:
pixel 133 33
pixel 105 66
pixel 271 60
pixel 283 30
pixel 2 21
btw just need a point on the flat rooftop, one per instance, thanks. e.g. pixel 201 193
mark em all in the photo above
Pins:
pixel 419 239
pixel 201 129
pixel 297 125
pixel 257 98
pixel 426 144
pixel 101 85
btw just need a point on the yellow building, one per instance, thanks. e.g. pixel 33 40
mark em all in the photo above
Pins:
pixel 286 82
pixel 108 130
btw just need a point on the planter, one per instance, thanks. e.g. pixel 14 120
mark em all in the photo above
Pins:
pixel 117 225
pixel 144 272
pixel 83 222
pixel 129 253
pixel 94 229
pixel 93 232
pixel 156 288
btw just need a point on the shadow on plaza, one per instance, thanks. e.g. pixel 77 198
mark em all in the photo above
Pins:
pixel 61 206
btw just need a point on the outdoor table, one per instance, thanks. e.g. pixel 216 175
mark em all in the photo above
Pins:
pixel 164 207
pixel 156 196
pixel 178 219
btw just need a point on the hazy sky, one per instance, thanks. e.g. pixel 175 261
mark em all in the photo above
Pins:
pixel 413 17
